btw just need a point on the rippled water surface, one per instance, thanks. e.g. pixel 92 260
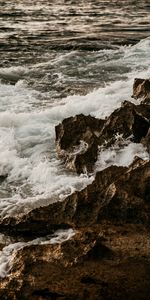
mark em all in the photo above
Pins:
pixel 66 35
pixel 57 59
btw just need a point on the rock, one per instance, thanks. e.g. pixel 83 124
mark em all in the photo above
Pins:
pixel 2 178
pixel 113 196
pixel 124 121
pixel 140 127
pixel 78 209
pixel 96 264
pixel 146 141
pixel 109 255
pixel 130 202
pixel 144 110
pixel 141 89
pixel 78 138
pixel 5 240
pixel 76 142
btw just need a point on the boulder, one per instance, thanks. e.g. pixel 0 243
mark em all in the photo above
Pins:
pixel 109 255
pixel 76 142
pixel 125 121
pixel 78 138
pixel 146 141
pixel 2 178
pixel 96 264
pixel 141 89
pixel 113 196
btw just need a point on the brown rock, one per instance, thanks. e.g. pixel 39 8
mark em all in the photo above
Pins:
pixel 130 200
pixel 92 265
pixel 2 178
pixel 109 256
pixel 118 194
pixel 146 141
pixel 79 209
pixel 141 89
pixel 144 110
pixel 79 137
pixel 76 142
pixel 124 121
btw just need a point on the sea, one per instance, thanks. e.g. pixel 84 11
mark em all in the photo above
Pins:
pixel 60 58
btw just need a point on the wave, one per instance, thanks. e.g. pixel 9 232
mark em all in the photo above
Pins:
pixel 34 174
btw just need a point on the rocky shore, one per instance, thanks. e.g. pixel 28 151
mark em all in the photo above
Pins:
pixel 108 255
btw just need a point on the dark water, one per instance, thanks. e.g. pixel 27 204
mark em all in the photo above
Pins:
pixel 50 50
pixel 42 31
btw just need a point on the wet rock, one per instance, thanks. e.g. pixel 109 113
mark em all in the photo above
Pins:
pixel 141 89
pixel 78 209
pixel 109 256
pixel 124 121
pixel 118 194
pixel 76 142
pixel 2 178
pixel 99 263
pixel 5 240
pixel 146 141
pixel 140 127
pixel 78 138
pixel 144 110
pixel 130 200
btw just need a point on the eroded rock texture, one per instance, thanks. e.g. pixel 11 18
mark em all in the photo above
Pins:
pixel 96 264
pixel 78 138
pixel 118 194
pixel 108 258
pixel 141 89
pixel 77 142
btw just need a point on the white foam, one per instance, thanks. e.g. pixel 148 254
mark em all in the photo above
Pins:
pixel 8 253
pixel 120 156
pixel 27 135
pixel 12 73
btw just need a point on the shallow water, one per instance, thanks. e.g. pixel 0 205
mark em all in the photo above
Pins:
pixel 60 59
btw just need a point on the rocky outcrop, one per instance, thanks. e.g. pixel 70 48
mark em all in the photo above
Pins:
pixel 77 142
pixel 124 121
pixel 118 194
pixel 146 141
pixel 78 138
pixel 141 89
pixel 108 258
pixel 97 263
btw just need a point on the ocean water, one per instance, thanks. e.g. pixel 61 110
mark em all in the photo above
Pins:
pixel 58 59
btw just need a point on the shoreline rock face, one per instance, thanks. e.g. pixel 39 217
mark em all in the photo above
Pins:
pixel 112 196
pixel 79 138
pixel 77 142
pixel 108 258
pixel 141 89
pixel 106 263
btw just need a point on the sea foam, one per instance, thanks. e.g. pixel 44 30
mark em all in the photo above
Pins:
pixel 35 176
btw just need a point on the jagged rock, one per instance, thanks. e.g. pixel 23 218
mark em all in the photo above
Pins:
pixel 144 110
pixel 78 209
pixel 141 89
pixel 124 121
pixel 76 142
pixel 5 240
pixel 109 256
pixel 79 137
pixel 119 194
pixel 130 200
pixel 97 264
pixel 146 141
pixel 2 178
